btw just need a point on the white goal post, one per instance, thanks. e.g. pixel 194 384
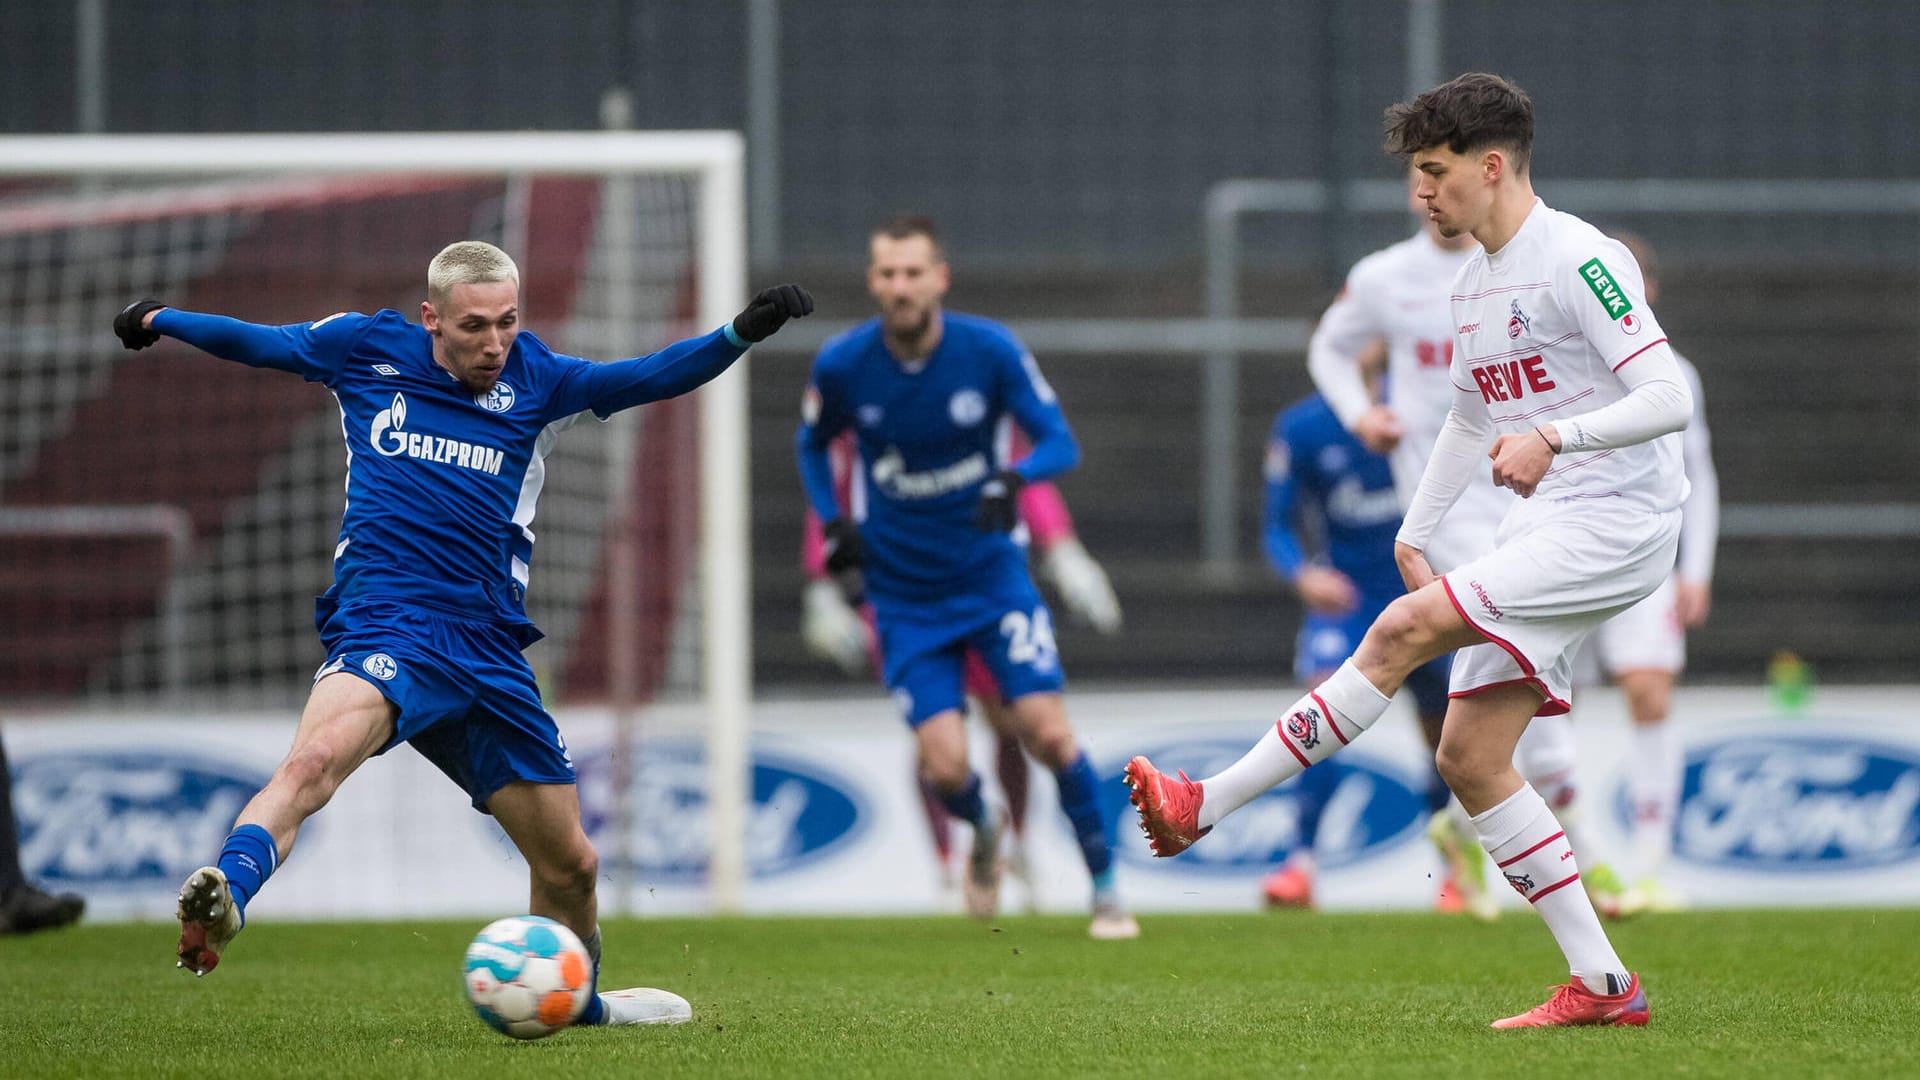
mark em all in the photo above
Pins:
pixel 101 172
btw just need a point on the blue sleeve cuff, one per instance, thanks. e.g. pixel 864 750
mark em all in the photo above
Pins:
pixel 738 341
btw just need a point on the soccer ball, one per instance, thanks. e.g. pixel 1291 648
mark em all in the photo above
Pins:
pixel 528 976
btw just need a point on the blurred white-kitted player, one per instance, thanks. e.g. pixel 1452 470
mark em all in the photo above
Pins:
pixel 1644 649
pixel 1562 377
pixel 1400 295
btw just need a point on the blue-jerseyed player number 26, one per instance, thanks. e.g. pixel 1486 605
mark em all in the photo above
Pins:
pixel 1029 637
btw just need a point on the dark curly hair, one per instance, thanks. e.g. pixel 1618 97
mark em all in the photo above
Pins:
pixel 1469 112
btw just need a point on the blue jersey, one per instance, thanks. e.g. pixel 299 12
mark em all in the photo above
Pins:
pixel 1313 462
pixel 929 434
pixel 442 485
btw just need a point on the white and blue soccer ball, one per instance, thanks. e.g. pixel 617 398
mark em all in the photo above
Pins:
pixel 528 976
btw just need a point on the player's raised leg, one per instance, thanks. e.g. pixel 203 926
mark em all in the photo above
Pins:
pixel 1175 811
pixel 345 722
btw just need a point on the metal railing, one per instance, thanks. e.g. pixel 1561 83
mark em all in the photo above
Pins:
pixel 1230 201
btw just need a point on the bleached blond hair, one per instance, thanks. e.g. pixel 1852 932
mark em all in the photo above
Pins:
pixel 467 262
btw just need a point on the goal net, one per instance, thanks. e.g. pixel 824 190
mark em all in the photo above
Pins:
pixel 166 518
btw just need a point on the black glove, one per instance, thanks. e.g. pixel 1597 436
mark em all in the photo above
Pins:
pixel 770 310
pixel 999 507
pixel 846 558
pixel 128 326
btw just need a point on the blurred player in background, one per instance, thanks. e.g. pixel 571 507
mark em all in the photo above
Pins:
pixel 1563 379
pixel 1318 471
pixel 448 424
pixel 839 628
pixel 25 907
pixel 930 395
pixel 1399 296
pixel 1644 648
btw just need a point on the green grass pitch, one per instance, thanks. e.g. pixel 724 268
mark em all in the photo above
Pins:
pixel 1737 994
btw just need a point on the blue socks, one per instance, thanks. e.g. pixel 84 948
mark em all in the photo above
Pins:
pixel 966 804
pixel 248 860
pixel 1080 798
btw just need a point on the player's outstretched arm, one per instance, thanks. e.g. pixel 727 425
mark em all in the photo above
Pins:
pixel 314 350
pixel 687 365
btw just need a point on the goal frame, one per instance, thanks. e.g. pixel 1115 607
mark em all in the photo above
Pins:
pixel 715 162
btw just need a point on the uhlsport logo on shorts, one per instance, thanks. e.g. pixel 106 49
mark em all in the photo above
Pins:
pixel 1373 810
pixel 380 666
pixel 1792 804
pixel 803 812
pixel 131 818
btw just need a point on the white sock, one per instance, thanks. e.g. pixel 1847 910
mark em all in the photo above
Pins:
pixel 1654 786
pixel 1532 851
pixel 1327 718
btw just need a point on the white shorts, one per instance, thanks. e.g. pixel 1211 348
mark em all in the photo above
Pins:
pixel 1561 568
pixel 1645 637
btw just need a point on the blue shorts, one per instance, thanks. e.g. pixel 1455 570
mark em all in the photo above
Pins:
pixel 466 695
pixel 923 646
pixel 1326 641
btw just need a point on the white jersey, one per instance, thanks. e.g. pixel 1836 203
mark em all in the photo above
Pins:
pixel 1400 294
pixel 1541 327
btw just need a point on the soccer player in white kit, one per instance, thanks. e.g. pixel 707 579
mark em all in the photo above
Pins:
pixel 1643 649
pixel 1401 295
pixel 1563 379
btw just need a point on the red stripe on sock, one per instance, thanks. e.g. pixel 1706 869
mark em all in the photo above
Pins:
pixel 1328 713
pixel 1280 729
pixel 1533 849
pixel 1535 898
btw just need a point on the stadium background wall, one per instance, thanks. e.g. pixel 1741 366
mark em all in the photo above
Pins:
pixel 1068 147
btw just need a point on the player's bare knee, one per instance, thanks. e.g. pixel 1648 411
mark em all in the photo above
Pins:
pixel 1463 765
pixel 572 873
pixel 947 772
pixel 308 773
pixel 1648 701
pixel 1053 745
pixel 1396 639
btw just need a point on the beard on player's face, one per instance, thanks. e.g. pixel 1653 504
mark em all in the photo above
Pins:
pixel 908 317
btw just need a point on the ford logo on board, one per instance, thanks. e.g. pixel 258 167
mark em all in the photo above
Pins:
pixel 801 812
pixel 1800 804
pixel 93 819
pixel 1370 807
